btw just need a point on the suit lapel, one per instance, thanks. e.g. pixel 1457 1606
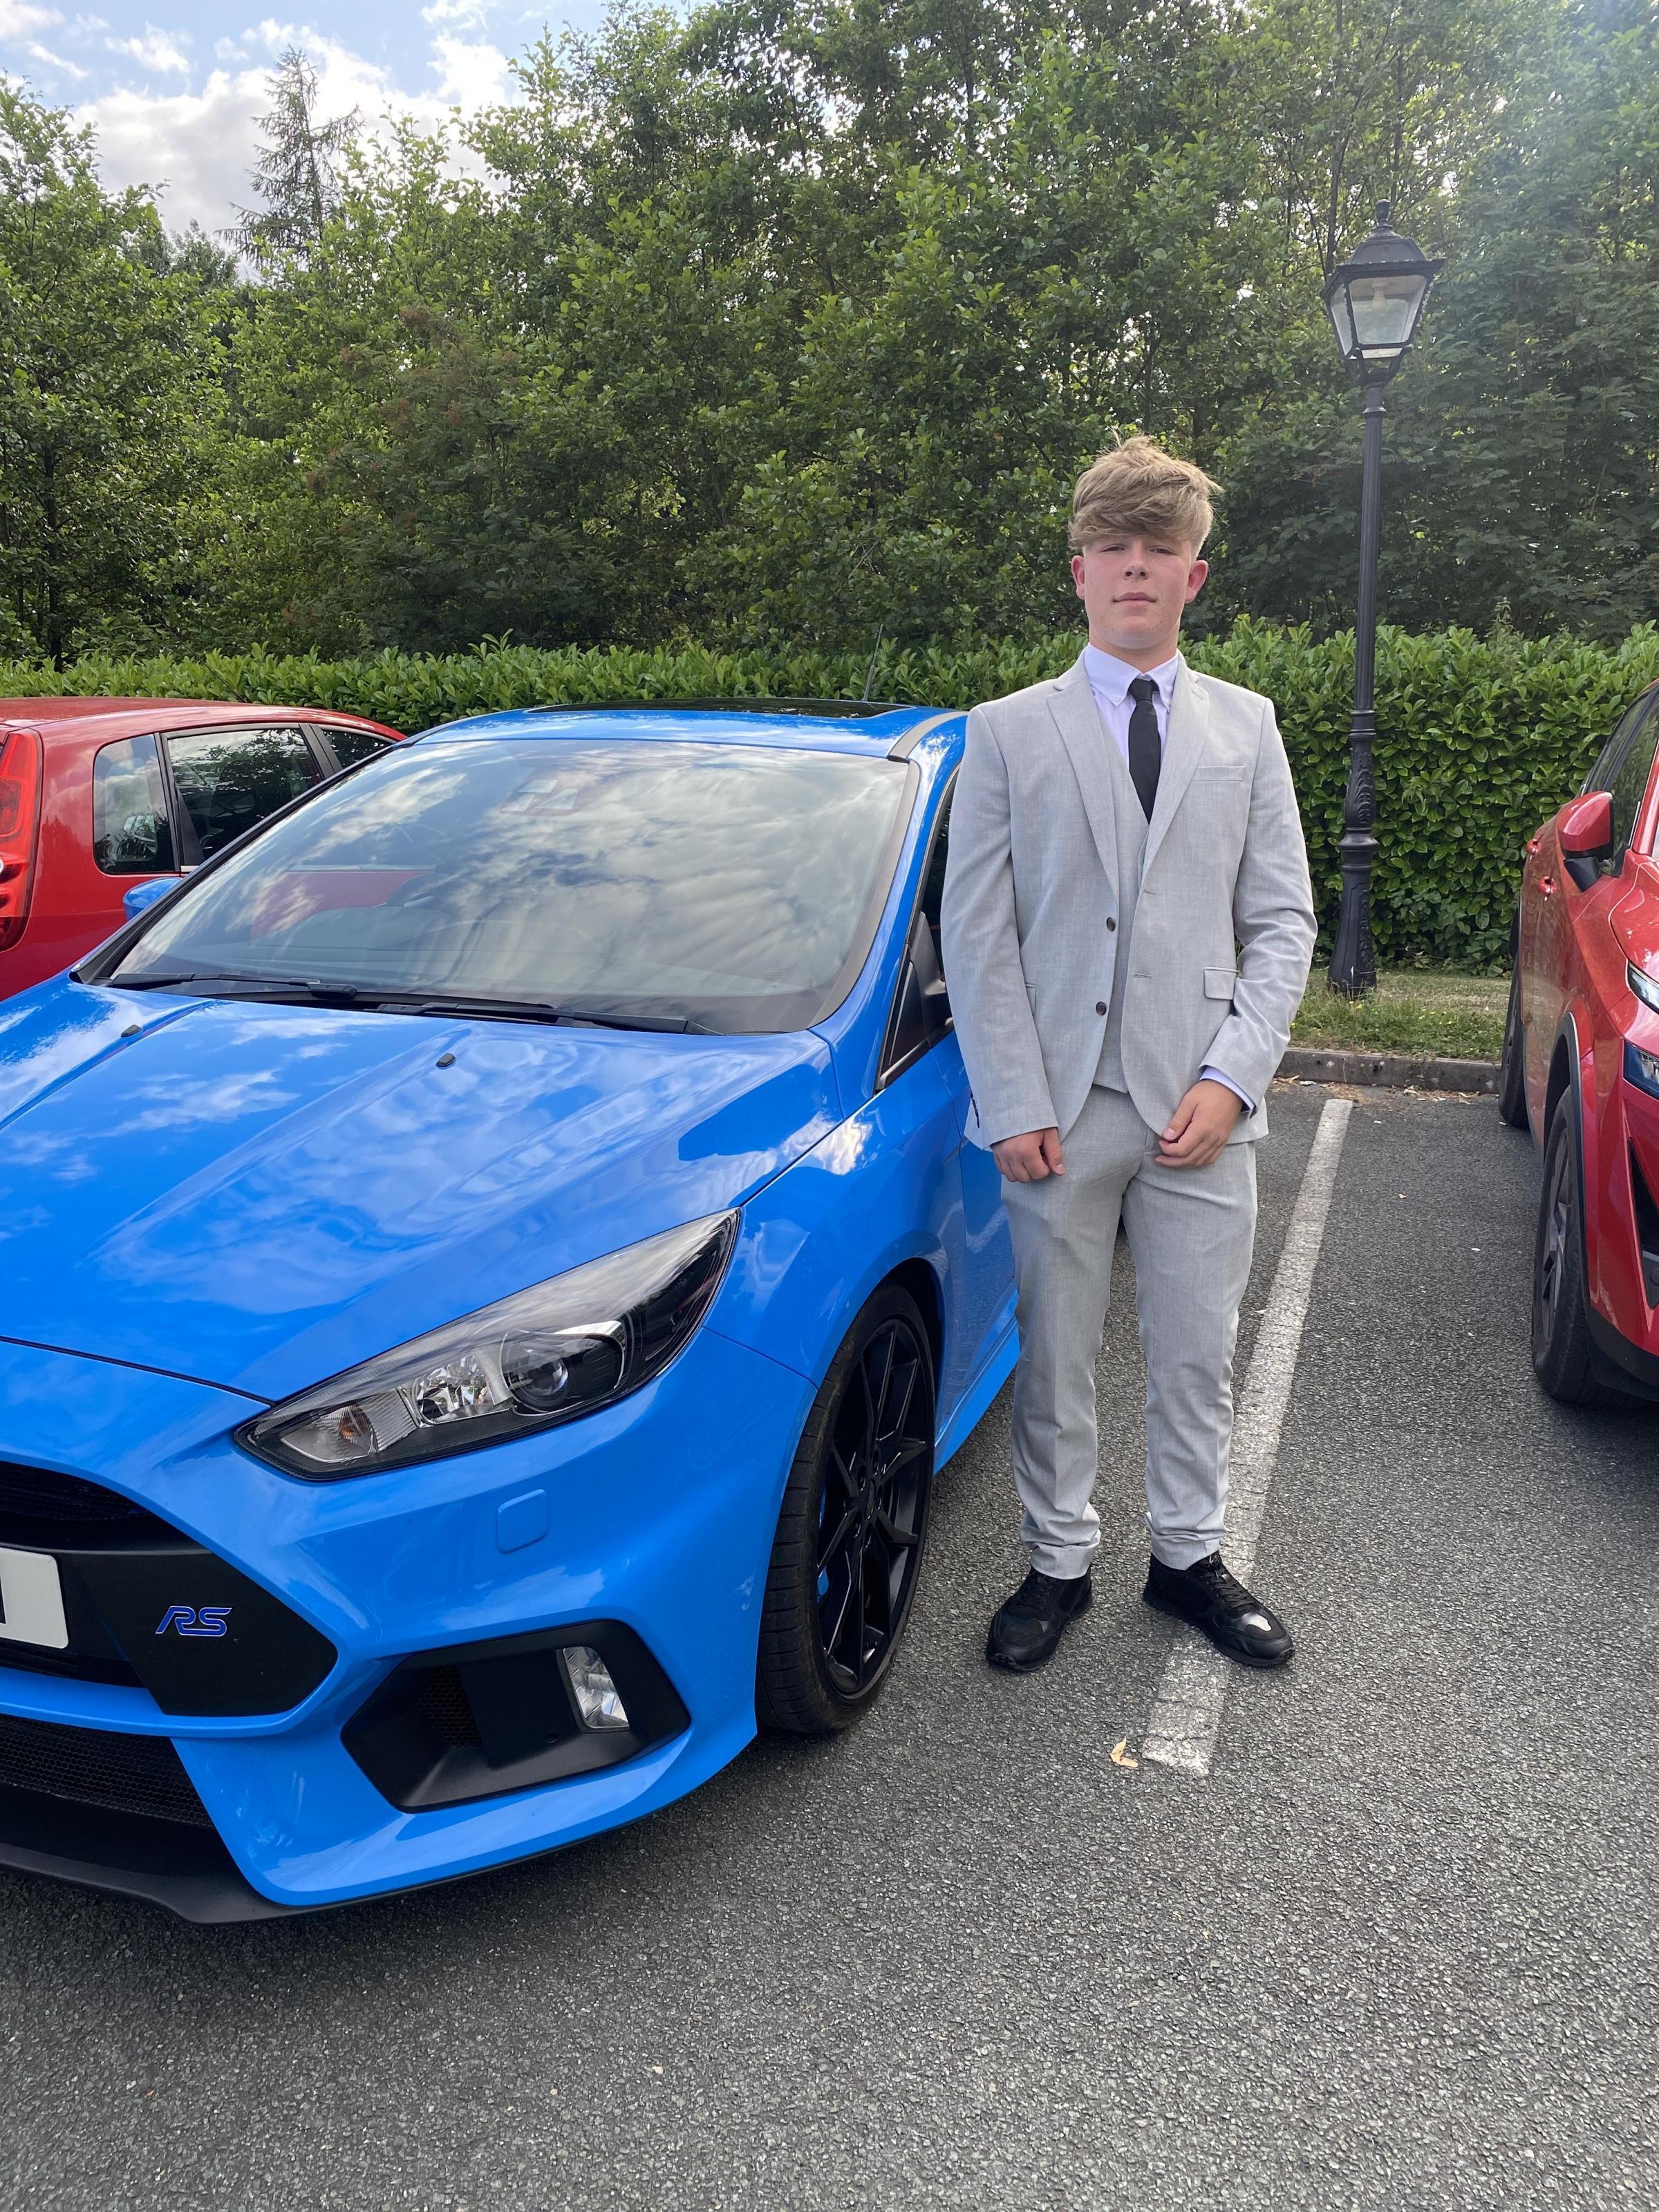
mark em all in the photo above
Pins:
pixel 1071 703
pixel 1184 747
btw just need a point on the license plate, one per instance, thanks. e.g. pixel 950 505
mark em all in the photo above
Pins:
pixel 32 1600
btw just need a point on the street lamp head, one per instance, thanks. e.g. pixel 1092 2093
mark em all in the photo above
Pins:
pixel 1375 299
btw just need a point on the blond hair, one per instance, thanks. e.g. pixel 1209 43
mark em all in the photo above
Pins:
pixel 1137 487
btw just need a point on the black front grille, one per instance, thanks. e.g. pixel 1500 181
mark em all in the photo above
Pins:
pixel 32 1498
pixel 1647 1228
pixel 119 1773
pixel 145 1604
pixel 442 1704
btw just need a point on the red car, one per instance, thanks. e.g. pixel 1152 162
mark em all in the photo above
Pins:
pixel 1581 1069
pixel 98 794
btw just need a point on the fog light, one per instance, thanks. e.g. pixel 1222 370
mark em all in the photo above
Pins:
pixel 598 1701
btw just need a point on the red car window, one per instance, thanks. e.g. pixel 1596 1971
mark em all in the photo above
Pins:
pixel 1630 782
pixel 228 779
pixel 132 833
pixel 1605 767
pixel 353 745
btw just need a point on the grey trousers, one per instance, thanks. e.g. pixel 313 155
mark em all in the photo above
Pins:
pixel 1190 1231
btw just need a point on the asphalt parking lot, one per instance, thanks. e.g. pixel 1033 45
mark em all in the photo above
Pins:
pixel 1396 1950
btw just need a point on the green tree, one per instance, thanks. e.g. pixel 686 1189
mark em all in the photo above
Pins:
pixel 107 391
pixel 1521 465
pixel 295 174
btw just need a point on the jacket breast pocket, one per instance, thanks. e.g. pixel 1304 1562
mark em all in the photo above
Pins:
pixel 1220 983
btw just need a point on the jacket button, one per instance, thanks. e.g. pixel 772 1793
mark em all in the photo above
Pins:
pixel 1111 921
pixel 1100 1005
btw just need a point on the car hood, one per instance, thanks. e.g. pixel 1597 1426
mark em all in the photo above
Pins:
pixel 256 1196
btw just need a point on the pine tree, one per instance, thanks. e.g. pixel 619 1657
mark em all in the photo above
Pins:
pixel 295 173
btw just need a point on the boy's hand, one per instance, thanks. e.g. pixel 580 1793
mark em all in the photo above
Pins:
pixel 1030 1158
pixel 1200 1125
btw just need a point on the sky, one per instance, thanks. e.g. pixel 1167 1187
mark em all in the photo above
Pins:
pixel 174 91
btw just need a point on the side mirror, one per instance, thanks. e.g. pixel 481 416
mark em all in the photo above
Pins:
pixel 134 902
pixel 1586 830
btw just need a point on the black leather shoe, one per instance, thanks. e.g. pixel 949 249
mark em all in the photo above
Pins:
pixel 1029 1626
pixel 1215 1602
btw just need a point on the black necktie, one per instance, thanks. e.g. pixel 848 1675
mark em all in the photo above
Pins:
pixel 1146 748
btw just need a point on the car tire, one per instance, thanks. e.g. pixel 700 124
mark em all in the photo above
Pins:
pixel 1564 1354
pixel 1512 1064
pixel 847 1557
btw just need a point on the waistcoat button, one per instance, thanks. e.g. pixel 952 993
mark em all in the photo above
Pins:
pixel 1111 921
pixel 1100 1005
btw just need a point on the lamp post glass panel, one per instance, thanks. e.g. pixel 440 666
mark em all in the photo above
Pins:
pixel 1375 301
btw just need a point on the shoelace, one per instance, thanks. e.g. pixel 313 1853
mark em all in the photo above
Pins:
pixel 1223 1586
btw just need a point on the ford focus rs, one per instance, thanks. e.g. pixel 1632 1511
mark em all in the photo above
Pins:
pixel 490 1272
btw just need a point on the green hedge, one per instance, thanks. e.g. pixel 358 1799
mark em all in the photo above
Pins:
pixel 1479 737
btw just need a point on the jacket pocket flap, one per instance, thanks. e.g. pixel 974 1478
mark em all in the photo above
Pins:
pixel 1220 983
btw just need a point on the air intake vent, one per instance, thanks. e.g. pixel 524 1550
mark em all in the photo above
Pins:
pixel 32 1499
pixel 118 1773
pixel 1647 1228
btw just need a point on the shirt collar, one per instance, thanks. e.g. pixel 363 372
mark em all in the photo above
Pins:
pixel 1112 677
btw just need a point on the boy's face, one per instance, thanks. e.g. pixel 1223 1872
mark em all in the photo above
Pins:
pixel 1136 589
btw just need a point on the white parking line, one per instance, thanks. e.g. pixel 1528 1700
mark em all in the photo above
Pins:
pixel 1186 1714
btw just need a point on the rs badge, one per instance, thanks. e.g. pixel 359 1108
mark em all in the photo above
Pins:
pixel 190 1621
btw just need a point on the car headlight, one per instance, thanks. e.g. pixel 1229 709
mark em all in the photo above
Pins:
pixel 1641 987
pixel 542 1356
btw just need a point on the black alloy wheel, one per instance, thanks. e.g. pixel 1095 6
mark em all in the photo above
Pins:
pixel 1512 1065
pixel 1564 1354
pixel 851 1534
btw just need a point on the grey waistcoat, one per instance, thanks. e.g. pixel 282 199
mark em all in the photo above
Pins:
pixel 1130 825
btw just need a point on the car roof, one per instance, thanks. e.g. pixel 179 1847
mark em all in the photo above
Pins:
pixel 123 718
pixel 842 726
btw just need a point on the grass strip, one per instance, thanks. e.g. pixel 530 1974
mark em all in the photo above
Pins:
pixel 1417 1011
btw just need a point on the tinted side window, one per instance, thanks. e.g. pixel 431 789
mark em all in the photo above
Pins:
pixel 228 779
pixel 1605 768
pixel 1630 781
pixel 131 835
pixel 352 746
pixel 933 888
pixel 922 1011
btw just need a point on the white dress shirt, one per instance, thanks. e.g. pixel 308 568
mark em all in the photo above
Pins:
pixel 1109 679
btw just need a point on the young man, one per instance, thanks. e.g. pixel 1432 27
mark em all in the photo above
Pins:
pixel 1127 929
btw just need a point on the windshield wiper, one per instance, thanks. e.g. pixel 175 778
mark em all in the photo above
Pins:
pixel 532 1010
pixel 226 981
pixel 368 999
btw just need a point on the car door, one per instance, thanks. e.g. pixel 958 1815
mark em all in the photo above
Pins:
pixel 134 833
pixel 226 780
pixel 980 1298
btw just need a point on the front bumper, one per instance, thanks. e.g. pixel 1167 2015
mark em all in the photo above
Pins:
pixel 652 1521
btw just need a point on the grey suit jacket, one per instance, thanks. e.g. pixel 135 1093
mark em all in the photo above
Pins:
pixel 1224 928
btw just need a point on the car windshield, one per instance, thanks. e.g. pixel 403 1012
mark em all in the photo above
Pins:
pixel 733 887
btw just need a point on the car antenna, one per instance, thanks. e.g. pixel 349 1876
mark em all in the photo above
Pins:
pixel 870 673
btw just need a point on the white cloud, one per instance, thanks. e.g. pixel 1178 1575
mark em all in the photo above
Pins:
pixel 464 14
pixel 196 149
pixel 157 50
pixel 44 55
pixel 469 75
pixel 18 17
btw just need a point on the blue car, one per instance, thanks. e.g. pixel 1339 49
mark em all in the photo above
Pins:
pixel 490 1270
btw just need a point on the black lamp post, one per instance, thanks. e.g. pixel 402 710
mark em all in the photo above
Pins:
pixel 1375 301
